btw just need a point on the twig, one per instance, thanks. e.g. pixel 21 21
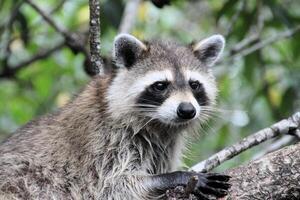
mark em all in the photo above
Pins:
pixel 75 42
pixel 94 33
pixel 12 16
pixel 52 11
pixel 260 20
pixel 58 6
pixel 235 17
pixel 282 142
pixel 267 41
pixel 129 16
pixel 283 127
pixel 6 35
pixel 244 43
pixel 254 36
pixel 49 20
pixel 10 71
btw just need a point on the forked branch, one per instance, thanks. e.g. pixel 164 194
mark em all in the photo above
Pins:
pixel 286 126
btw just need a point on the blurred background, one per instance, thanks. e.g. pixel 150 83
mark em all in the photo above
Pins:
pixel 258 77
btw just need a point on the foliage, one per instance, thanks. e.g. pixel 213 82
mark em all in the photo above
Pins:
pixel 255 90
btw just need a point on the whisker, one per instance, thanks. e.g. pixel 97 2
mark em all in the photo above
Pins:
pixel 136 132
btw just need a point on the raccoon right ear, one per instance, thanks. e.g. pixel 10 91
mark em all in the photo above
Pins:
pixel 127 49
pixel 208 51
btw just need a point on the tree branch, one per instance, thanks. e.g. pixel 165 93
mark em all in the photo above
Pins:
pixel 286 126
pixel 260 171
pixel 235 17
pixel 265 42
pixel 274 176
pixel 95 58
pixel 49 20
pixel 52 11
pixel 10 71
pixel 129 16
pixel 276 145
pixel 75 42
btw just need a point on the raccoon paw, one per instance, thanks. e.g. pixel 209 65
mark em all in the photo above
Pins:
pixel 208 185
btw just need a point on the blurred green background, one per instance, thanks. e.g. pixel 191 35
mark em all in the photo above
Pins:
pixel 257 88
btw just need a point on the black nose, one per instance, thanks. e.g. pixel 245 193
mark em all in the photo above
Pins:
pixel 186 110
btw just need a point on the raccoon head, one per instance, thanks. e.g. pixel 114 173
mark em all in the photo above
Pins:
pixel 163 81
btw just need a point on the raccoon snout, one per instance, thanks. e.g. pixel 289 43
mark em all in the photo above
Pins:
pixel 186 110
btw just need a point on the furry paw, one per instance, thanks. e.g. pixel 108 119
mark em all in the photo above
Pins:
pixel 202 186
pixel 209 184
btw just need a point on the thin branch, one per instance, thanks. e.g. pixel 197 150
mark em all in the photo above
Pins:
pixel 52 11
pixel 58 6
pixel 266 42
pixel 96 60
pixel 244 43
pixel 74 41
pixel 7 35
pixel 12 70
pixel 282 142
pixel 49 20
pixel 255 34
pixel 129 16
pixel 260 19
pixel 285 126
pixel 41 55
pixel 11 18
pixel 235 17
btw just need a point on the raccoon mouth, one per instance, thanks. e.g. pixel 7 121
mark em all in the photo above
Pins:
pixel 177 122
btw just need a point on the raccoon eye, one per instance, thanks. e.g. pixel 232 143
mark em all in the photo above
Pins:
pixel 195 85
pixel 159 86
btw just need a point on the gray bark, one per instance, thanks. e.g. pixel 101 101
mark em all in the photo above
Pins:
pixel 94 34
pixel 274 176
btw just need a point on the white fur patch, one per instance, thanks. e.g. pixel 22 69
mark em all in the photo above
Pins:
pixel 126 38
pixel 121 94
pixel 167 112
pixel 207 82
pixel 150 78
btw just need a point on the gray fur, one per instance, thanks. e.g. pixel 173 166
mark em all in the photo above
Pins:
pixel 84 151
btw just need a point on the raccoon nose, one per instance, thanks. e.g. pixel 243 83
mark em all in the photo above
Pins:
pixel 186 110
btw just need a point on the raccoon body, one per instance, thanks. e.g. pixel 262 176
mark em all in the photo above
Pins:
pixel 123 136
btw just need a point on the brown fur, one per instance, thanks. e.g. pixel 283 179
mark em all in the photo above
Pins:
pixel 82 152
pixel 59 157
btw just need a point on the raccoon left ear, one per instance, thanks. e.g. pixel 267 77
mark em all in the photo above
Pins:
pixel 127 49
pixel 208 50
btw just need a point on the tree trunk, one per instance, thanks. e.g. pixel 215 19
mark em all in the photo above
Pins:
pixel 274 176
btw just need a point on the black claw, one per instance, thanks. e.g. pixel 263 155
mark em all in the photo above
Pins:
pixel 213 191
pixel 219 184
pixel 222 192
pixel 200 195
pixel 218 177
pixel 203 185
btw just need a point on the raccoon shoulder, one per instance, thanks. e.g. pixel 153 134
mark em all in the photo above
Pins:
pixel 41 132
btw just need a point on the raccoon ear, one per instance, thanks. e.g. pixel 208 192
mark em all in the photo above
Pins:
pixel 127 49
pixel 208 50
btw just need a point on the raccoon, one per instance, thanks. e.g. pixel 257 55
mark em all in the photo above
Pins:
pixel 122 137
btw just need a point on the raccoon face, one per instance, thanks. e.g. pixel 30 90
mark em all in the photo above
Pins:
pixel 163 81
